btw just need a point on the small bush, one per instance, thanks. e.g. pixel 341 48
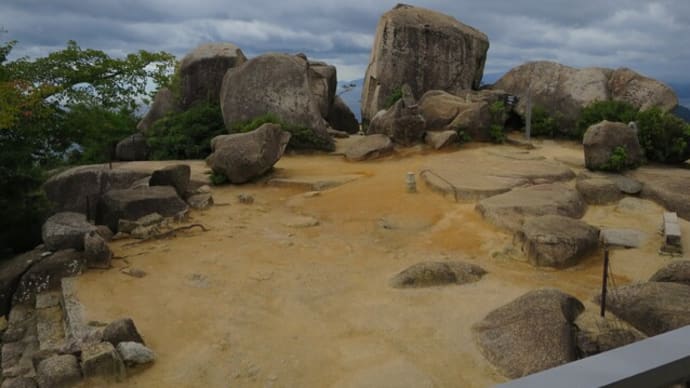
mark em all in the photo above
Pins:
pixel 395 95
pixel 218 179
pixel 618 161
pixel 188 134
pixel 497 110
pixel 302 138
pixel 543 124
pixel 664 137
pixel 599 111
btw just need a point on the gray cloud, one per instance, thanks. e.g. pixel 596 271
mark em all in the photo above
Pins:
pixel 651 37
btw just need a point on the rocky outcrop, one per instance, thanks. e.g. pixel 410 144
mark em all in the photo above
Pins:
pixel 440 139
pixel 132 204
pixel 176 176
pixel 401 122
pixel 563 91
pixel 510 209
pixel 11 272
pixel 202 71
pixel 653 308
pixel 598 191
pixel 430 274
pixel 58 371
pixel 669 187
pixel 163 103
pixel 323 82
pixel 341 117
pixel 66 230
pixel 556 241
pixel 245 156
pixel 74 189
pixel 369 147
pixel 424 49
pixel 278 84
pixel 133 147
pixel 601 144
pixel 530 334
pixel 675 272
pixel 47 274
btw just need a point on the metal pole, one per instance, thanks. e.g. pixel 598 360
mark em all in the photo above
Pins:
pixel 528 114
pixel 604 282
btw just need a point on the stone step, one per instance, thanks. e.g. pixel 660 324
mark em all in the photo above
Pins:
pixel 50 321
pixel 75 328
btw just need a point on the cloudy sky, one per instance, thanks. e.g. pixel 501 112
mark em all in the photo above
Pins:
pixel 652 37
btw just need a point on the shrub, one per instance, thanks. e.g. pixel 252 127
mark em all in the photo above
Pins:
pixel 497 111
pixel 543 124
pixel 618 161
pixel 664 137
pixel 302 138
pixel 218 179
pixel 188 134
pixel 395 95
pixel 599 111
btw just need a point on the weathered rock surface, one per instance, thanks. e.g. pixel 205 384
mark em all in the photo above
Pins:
pixel 132 204
pixel 69 190
pixel 323 82
pixel 601 141
pixel 134 353
pixel 430 274
pixel 177 176
pixel 163 103
pixel 47 274
pixel 669 187
pixel 599 191
pixel 58 371
pixel 202 71
pixel 653 308
pixel 530 334
pixel 11 272
pixel 369 147
pixel 103 361
pixel 401 122
pixel 424 49
pixel 563 91
pixel 96 251
pixel 66 230
pixel 556 241
pixel 674 272
pixel 278 84
pixel 510 209
pixel 200 201
pixel 597 335
pixel 245 156
pixel 461 178
pixel 133 147
pixel 625 238
pixel 341 117
pixel 19 382
pixel 122 330
pixel 440 139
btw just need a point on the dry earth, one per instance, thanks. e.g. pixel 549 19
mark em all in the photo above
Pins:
pixel 259 302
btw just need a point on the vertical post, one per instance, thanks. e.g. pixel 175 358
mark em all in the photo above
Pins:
pixel 528 113
pixel 604 281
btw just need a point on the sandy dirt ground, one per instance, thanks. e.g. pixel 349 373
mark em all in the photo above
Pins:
pixel 258 302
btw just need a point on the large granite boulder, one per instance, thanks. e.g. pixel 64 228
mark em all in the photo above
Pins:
pixel 467 112
pixel 66 230
pixel 11 271
pixel 424 49
pixel 598 191
pixel 401 122
pixel 323 81
pixel 74 189
pixel 601 142
pixel 556 241
pixel 674 272
pixel 433 273
pixel 163 103
pixel 278 84
pixel 133 147
pixel 653 308
pixel 245 156
pixel 369 147
pixel 510 209
pixel 97 253
pixel 47 274
pixel 563 91
pixel 340 117
pixel 202 71
pixel 132 204
pixel 530 334
pixel 441 139
pixel 177 176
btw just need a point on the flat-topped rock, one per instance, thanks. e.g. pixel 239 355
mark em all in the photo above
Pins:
pixel 669 187
pixel 674 272
pixel 314 182
pixel 430 274
pixel 132 204
pixel 624 238
pixel 462 178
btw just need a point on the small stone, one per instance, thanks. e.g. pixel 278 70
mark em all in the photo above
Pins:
pixel 134 353
pixel 150 219
pixel 133 272
pixel 200 201
pixel 58 371
pixel 96 251
pixel 104 232
pixel 246 199
pixel 144 232
pixel 101 360
pixel 121 330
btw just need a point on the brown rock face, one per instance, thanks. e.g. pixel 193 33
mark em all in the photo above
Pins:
pixel 402 122
pixel 601 141
pixel 163 103
pixel 202 71
pixel 640 91
pixel 425 49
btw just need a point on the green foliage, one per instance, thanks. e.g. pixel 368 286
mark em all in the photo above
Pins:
pixel 618 161
pixel 463 137
pixel 663 136
pixel 599 111
pixel 497 110
pixel 302 138
pixel 188 134
pixel 395 95
pixel 543 124
pixel 218 179
pixel 97 130
pixel 496 133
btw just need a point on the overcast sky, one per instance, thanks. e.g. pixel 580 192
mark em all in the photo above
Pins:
pixel 652 37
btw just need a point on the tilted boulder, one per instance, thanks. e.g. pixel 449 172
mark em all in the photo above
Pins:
pixel 122 330
pixel 532 333
pixel 401 122
pixel 276 84
pixel 440 139
pixel 163 103
pixel 369 147
pixel 74 189
pixel 424 49
pixel 341 117
pixel 47 274
pixel 177 176
pixel 245 156
pixel 563 90
pixel 467 112
pixel 556 241
pixel 132 204
pixel 675 272
pixel 601 142
pixel 66 230
pixel 133 147
pixel 202 71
